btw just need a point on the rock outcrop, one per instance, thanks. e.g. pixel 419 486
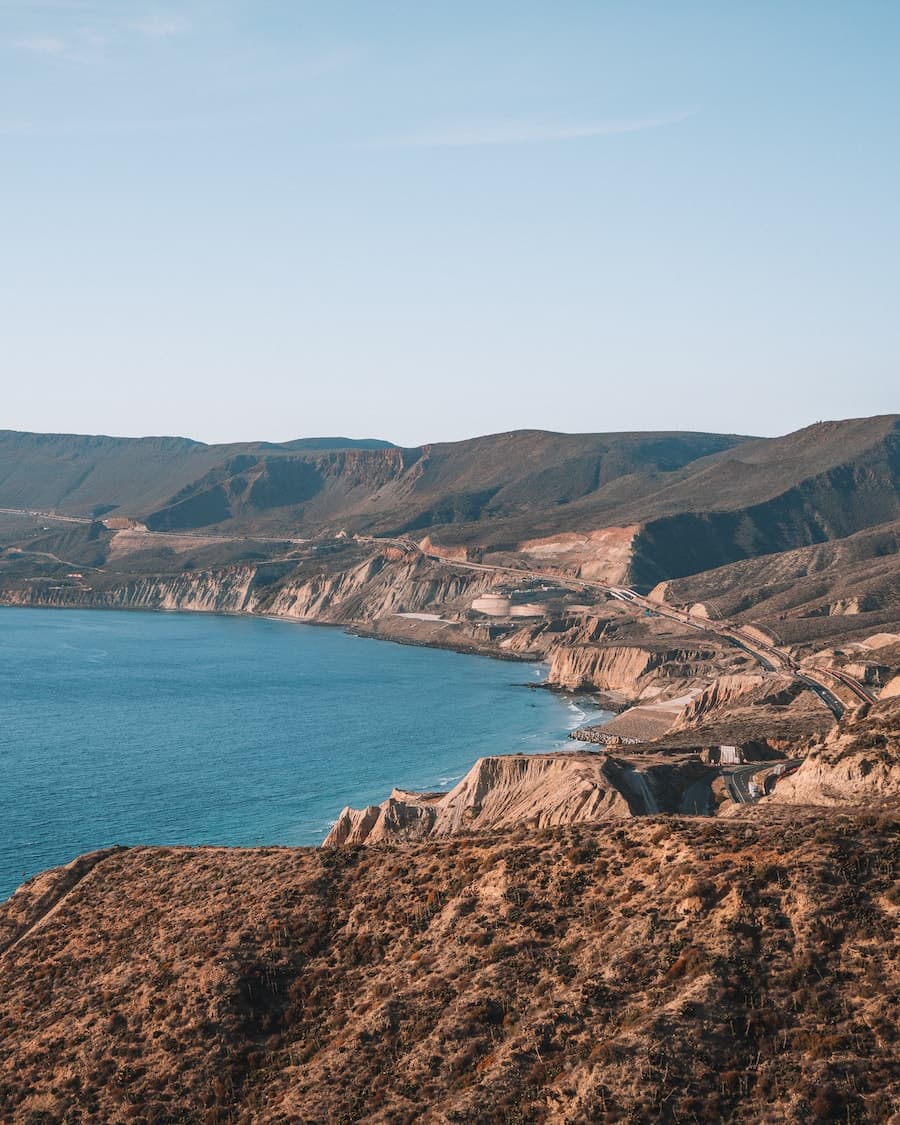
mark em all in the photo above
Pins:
pixel 858 762
pixel 891 689
pixel 532 791
pixel 722 693
pixel 404 815
pixel 624 668
pixel 498 792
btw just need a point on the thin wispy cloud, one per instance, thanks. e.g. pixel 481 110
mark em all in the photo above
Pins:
pixel 162 27
pixel 41 45
pixel 526 132
pixel 84 46
pixel 91 42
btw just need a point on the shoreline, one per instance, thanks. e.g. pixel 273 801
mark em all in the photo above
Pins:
pixel 553 742
pixel 351 628
pixel 604 704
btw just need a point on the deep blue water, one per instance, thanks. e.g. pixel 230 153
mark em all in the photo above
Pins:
pixel 120 727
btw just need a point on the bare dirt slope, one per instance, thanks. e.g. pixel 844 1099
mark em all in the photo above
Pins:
pixel 830 588
pixel 859 760
pixel 655 970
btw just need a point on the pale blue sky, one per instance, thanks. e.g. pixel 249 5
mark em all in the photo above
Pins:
pixel 423 220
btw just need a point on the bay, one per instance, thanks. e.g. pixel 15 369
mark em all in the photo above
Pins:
pixel 144 728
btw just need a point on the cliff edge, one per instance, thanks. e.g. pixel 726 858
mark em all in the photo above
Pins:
pixel 530 791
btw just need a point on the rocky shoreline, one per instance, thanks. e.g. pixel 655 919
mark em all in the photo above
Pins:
pixel 682 692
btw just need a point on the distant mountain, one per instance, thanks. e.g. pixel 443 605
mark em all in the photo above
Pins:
pixel 824 589
pixel 469 489
pixel 76 474
pixel 676 503
pixel 333 443
pixel 821 483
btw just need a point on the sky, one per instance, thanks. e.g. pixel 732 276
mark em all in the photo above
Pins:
pixel 422 220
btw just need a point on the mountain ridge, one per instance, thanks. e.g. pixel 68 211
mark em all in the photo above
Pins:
pixel 685 501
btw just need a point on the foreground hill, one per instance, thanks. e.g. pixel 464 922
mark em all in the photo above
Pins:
pixel 662 969
pixel 640 507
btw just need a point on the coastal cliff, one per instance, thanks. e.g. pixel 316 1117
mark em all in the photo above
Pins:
pixel 533 791
pixel 378 585
pixel 624 668
pixel 498 792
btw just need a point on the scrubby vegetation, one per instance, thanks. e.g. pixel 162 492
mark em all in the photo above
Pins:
pixel 654 970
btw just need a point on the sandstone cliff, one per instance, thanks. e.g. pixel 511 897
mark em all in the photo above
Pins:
pixel 858 762
pixel 378 584
pixel 723 693
pixel 498 792
pixel 533 791
pixel 228 590
pixel 625 668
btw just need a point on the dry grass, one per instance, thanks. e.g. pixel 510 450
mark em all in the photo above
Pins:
pixel 654 970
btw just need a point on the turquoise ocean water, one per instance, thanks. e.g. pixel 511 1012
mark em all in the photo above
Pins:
pixel 128 728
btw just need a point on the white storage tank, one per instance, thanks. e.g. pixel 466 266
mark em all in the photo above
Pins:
pixel 494 605
pixel 529 609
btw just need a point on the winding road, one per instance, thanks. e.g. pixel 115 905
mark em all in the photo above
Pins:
pixel 44 515
pixel 738 782
pixel 770 657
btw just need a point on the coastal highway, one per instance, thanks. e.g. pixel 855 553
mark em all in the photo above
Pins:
pixel 771 658
pixel 831 701
pixel 738 781
pixel 44 515
pixel 814 680
pixel 854 686
pixel 739 777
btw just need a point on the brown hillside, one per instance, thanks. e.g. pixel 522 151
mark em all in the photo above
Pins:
pixel 677 503
pixel 655 970
pixel 841 577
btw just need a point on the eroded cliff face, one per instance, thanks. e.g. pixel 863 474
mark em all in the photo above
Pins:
pixel 722 694
pixel 623 668
pixel 498 792
pixel 533 791
pixel 858 762
pixel 229 590
pixel 603 555
pixel 378 586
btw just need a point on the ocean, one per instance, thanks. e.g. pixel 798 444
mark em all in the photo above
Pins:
pixel 153 728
